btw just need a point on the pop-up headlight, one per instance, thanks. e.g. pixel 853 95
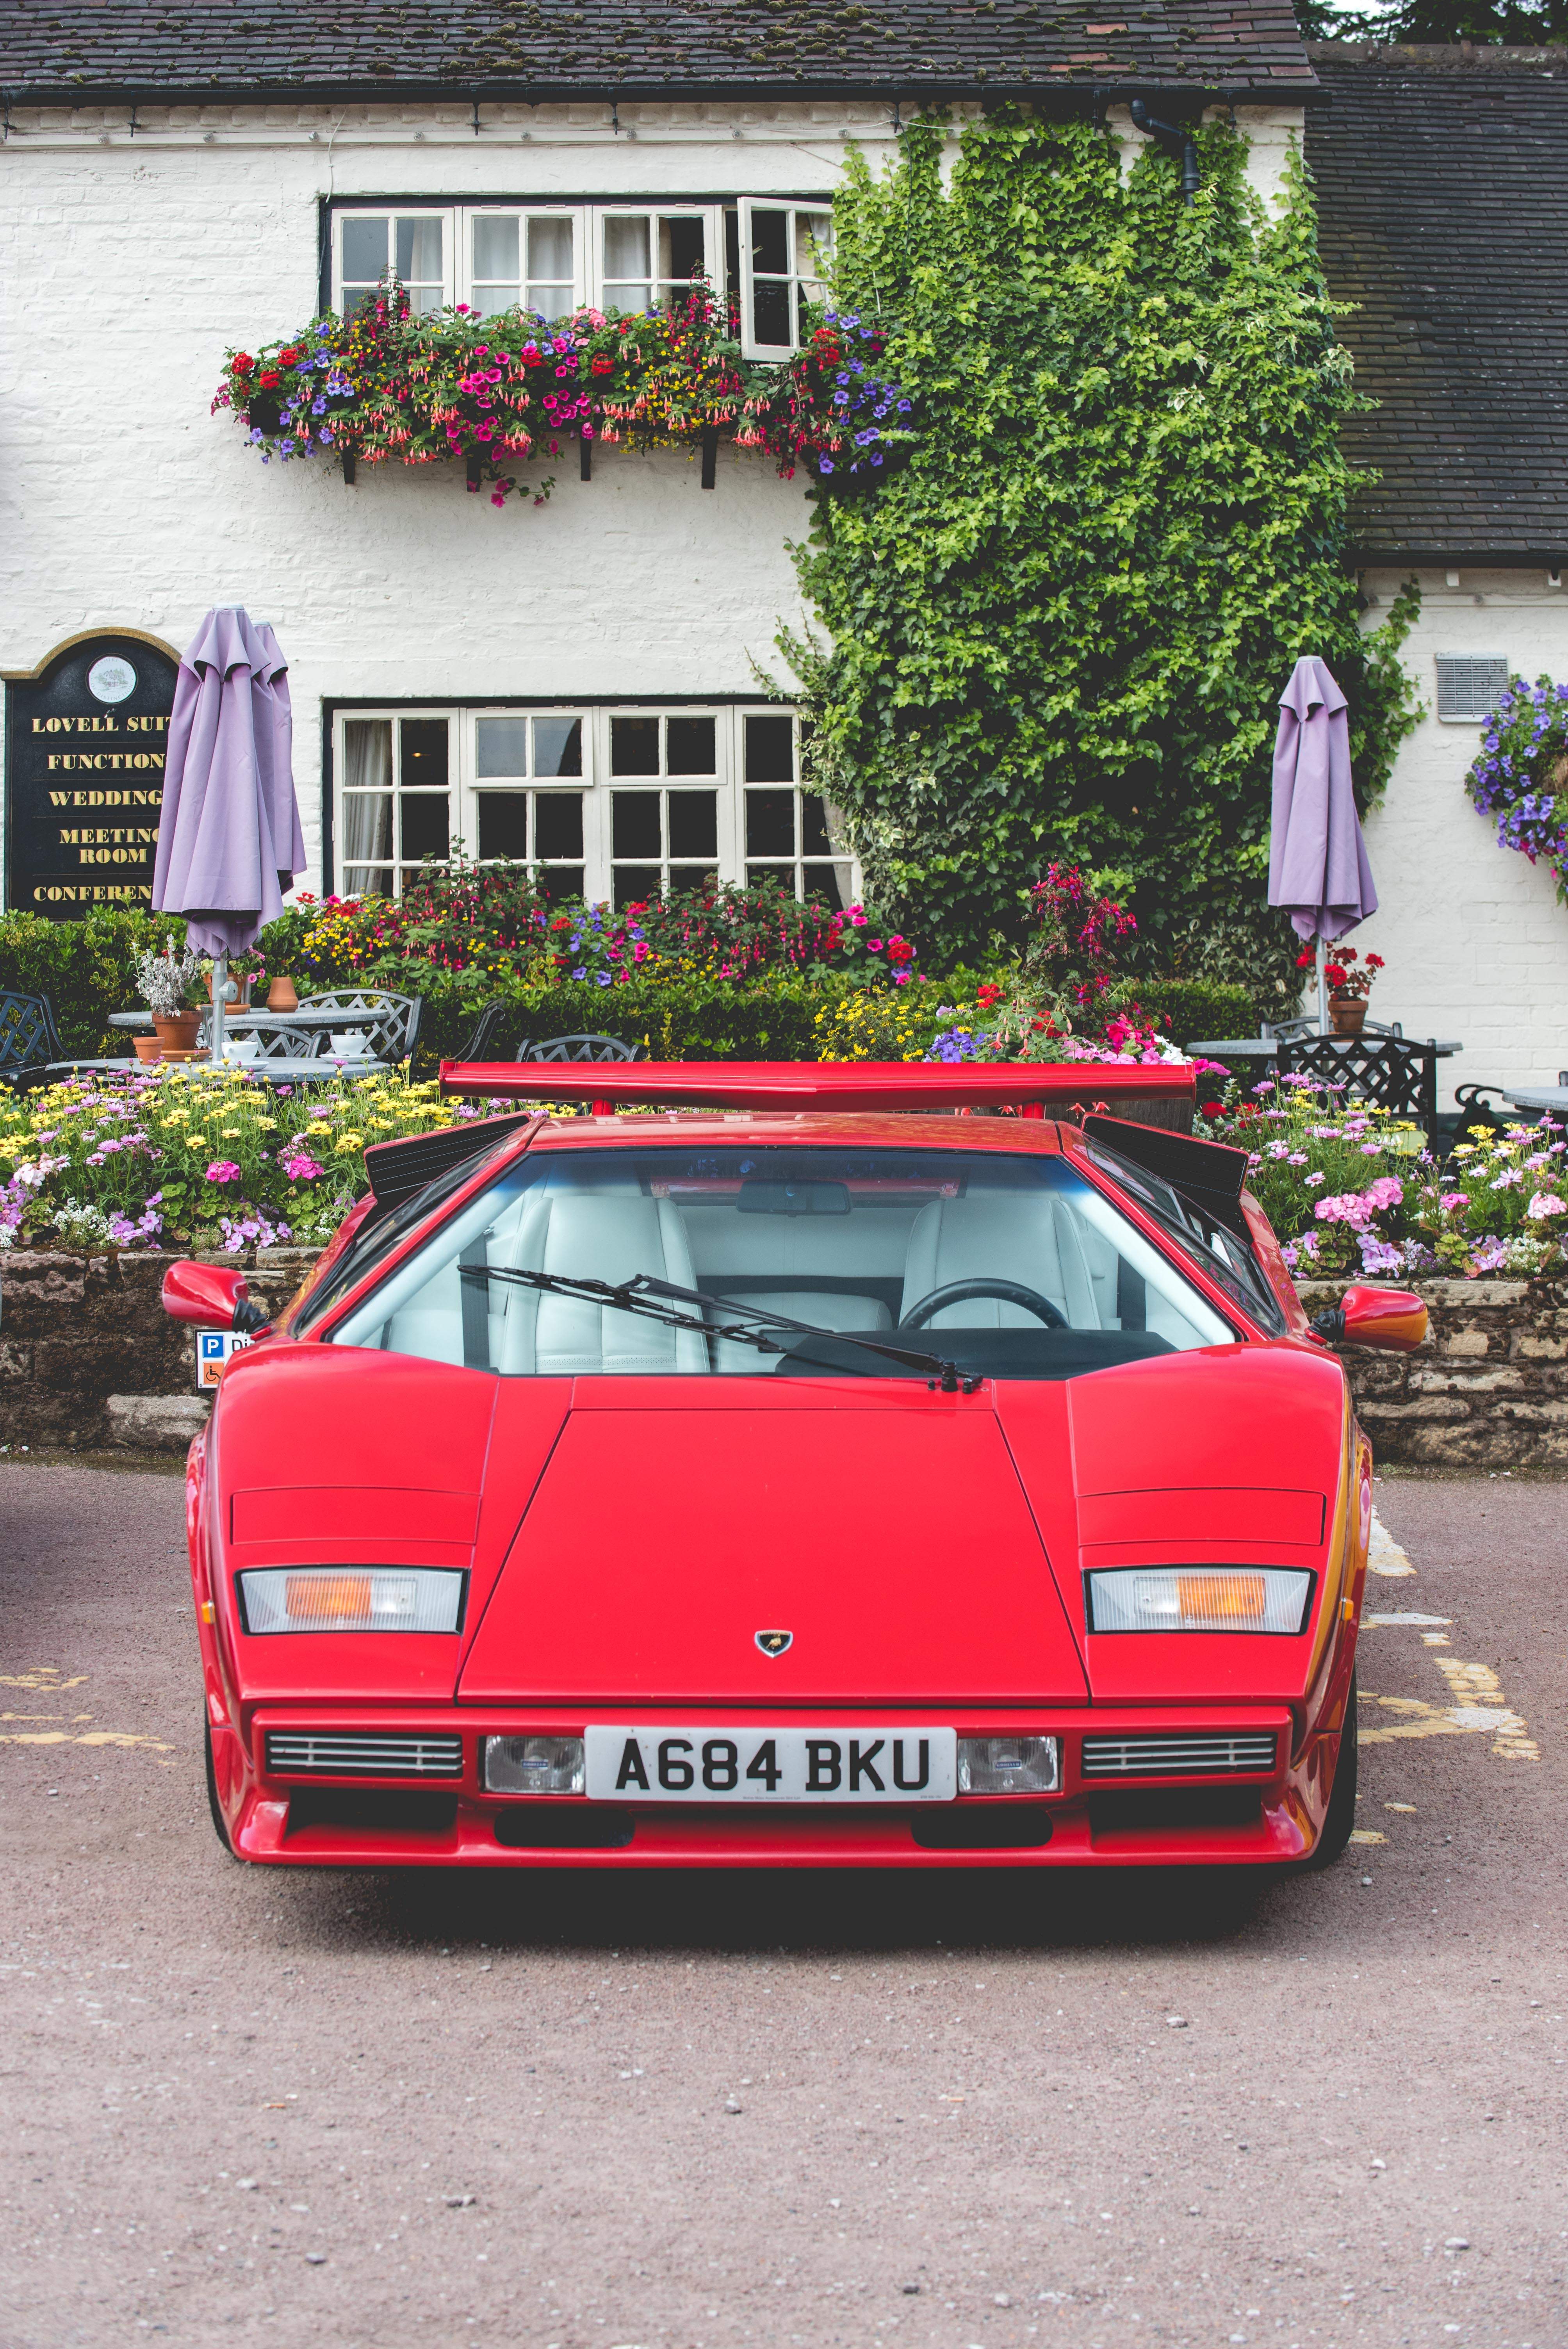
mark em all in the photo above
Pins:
pixel 1199 1599
pixel 351 1599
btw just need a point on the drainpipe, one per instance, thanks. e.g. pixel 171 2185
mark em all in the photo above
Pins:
pixel 1175 143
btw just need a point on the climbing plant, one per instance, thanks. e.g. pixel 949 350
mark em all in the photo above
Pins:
pixel 1060 631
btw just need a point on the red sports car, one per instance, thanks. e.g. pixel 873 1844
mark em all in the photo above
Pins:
pixel 825 1483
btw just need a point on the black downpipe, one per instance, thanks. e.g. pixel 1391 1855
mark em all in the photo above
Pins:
pixel 1175 141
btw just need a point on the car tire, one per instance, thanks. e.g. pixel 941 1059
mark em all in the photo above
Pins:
pixel 219 1825
pixel 1340 1816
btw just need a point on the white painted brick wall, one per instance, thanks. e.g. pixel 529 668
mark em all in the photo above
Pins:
pixel 1475 940
pixel 129 264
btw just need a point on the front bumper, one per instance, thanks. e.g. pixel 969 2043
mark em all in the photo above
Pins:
pixel 332 1819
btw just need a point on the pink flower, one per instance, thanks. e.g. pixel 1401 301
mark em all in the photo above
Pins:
pixel 222 1169
pixel 1387 1192
pixel 1546 1203
pixel 1452 1199
pixel 301 1169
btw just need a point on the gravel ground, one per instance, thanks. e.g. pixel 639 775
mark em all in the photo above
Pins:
pixel 245 2106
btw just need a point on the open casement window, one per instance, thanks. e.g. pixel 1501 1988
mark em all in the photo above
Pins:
pixel 413 245
pixel 785 249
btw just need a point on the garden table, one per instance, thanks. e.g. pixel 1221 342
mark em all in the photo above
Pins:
pixel 1552 1099
pixel 240 1015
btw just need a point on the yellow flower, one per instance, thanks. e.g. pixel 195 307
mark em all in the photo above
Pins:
pixel 348 1142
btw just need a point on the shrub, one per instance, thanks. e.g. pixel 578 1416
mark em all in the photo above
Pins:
pixel 87 968
pixel 1185 1007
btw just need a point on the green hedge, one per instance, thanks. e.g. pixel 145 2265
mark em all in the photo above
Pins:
pixel 86 969
pixel 697 1020
pixel 1194 1006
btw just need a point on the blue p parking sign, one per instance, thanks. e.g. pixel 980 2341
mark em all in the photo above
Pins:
pixel 213 1348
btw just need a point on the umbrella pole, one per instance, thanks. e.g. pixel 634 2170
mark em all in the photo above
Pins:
pixel 219 989
pixel 1321 988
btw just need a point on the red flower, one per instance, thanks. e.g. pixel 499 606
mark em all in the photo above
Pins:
pixel 242 363
pixel 1305 961
pixel 602 365
pixel 288 357
pixel 987 994
pixel 269 379
pixel 1212 1109
pixel 1376 962
pixel 1334 973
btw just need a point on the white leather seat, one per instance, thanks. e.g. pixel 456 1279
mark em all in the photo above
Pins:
pixel 606 1230
pixel 1028 1237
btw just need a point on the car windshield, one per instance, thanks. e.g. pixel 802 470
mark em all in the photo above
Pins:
pixel 1006 1267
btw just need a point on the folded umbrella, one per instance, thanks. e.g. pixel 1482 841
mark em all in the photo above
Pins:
pixel 1318 868
pixel 230 841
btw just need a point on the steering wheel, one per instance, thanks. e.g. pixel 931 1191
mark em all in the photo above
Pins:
pixel 1011 1292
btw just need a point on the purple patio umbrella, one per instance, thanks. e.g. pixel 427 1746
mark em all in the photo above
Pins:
pixel 1319 870
pixel 229 839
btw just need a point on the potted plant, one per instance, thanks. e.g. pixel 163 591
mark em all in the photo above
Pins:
pixel 166 982
pixel 1349 980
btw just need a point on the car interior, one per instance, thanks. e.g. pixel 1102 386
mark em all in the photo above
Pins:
pixel 1014 1264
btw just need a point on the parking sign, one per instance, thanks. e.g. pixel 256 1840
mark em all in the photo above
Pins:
pixel 213 1348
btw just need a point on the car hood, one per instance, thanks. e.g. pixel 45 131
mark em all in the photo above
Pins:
pixel 890 1537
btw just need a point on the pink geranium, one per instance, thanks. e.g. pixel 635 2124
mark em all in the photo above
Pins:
pixel 222 1169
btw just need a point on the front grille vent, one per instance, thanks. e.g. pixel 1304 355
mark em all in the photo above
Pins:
pixel 298 1752
pixel 1177 1757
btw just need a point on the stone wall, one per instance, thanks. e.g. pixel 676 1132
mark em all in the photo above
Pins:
pixel 1488 1390
pixel 89 1358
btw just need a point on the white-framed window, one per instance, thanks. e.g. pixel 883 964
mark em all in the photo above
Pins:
pixel 785 249
pixel 550 257
pixel 415 244
pixel 608 800
pixel 1469 685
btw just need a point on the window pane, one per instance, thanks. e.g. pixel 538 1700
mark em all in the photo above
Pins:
pixel 770 243
pixel 550 249
pixel 424 300
pixel 694 823
pixel 489 299
pixel 502 744
pixel 424 754
pixel 815 840
pixel 635 884
pixel 560 881
pixel 624 296
pixel 558 746
pixel 504 824
pixel 550 301
pixel 770 823
pixel 420 252
pixel 688 747
pixel 783 874
pixel 496 246
pixel 770 750
pixel 367 826
pixel 363 251
pixel 770 310
pixel 634 824
pixel 832 882
pixel 367 760
pixel 625 246
pixel 358 297
pixel 368 881
pixel 813 243
pixel 682 249
pixel 425 824
pixel 688 876
pixel 633 746
pixel 558 824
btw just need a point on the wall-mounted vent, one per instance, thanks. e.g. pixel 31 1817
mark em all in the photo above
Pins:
pixel 1469 685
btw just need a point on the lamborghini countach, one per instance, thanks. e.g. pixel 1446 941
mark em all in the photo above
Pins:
pixel 793 1473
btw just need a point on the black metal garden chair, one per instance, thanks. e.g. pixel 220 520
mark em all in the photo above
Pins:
pixel 29 1039
pixel 487 1031
pixel 576 1048
pixel 1386 1072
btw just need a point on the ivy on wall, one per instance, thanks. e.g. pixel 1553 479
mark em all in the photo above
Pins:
pixel 1061 630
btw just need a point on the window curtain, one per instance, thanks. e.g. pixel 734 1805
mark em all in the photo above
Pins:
pixel 367 771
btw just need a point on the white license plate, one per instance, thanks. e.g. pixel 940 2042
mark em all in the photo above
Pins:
pixel 672 1764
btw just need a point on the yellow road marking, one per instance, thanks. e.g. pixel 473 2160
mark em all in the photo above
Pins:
pixel 44 1677
pixel 88 1737
pixel 1384 1555
pixel 1367 1834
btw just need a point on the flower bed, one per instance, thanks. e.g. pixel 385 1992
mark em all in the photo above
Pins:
pixel 512 389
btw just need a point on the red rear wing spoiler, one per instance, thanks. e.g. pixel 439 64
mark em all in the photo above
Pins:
pixel 1038 1088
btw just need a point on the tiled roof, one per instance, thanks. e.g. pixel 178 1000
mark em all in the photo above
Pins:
pixel 1443 212
pixel 689 47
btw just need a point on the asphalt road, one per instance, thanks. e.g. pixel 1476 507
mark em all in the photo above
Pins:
pixel 241 2106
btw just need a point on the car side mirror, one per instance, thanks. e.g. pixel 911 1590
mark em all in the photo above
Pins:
pixel 1392 1317
pixel 212 1296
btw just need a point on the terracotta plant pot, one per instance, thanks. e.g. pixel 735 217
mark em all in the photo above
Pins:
pixel 281 995
pixel 1345 1014
pixel 177 1032
pixel 148 1048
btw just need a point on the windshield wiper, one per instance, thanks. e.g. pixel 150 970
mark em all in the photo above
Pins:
pixel 641 1294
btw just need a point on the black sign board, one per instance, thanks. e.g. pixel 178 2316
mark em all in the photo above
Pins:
pixel 86 739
